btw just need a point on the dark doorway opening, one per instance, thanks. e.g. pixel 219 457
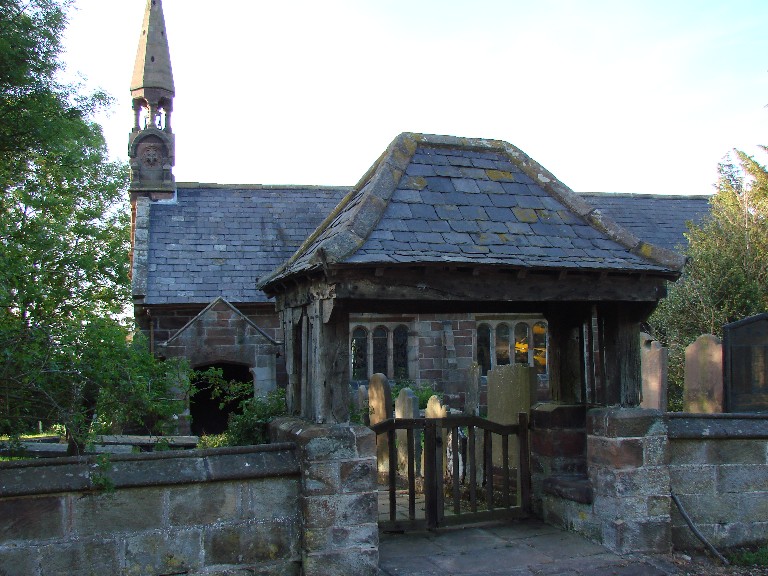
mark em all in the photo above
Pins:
pixel 208 417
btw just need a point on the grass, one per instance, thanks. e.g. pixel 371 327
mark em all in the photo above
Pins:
pixel 751 556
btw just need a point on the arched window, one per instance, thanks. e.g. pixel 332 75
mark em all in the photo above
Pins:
pixel 502 344
pixel 484 348
pixel 521 343
pixel 359 354
pixel 400 352
pixel 540 347
pixel 380 350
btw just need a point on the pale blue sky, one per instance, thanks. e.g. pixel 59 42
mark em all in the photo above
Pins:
pixel 611 96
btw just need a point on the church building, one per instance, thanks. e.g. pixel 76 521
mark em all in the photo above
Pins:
pixel 455 219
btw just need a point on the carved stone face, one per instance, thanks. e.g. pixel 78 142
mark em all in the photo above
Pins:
pixel 151 156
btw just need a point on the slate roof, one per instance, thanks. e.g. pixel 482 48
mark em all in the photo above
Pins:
pixel 216 241
pixel 659 219
pixel 442 199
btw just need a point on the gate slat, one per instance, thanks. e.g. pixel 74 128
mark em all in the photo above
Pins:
pixel 472 470
pixel 455 450
pixel 392 475
pixel 488 454
pixel 505 465
pixel 524 467
pixel 411 476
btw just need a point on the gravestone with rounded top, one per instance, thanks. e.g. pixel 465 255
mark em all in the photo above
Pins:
pixel 380 409
pixel 703 392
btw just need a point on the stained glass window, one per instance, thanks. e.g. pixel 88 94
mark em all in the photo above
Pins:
pixel 521 343
pixel 540 347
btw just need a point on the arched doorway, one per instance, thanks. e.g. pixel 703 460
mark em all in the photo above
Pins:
pixel 208 417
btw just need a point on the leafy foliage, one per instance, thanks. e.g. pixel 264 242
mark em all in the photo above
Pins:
pixel 65 353
pixel 423 391
pixel 727 277
pixel 248 423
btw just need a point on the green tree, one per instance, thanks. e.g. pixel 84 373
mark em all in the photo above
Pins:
pixel 726 278
pixel 64 233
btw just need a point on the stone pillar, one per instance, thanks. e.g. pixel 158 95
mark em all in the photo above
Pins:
pixel 654 365
pixel 627 467
pixel 703 391
pixel 338 500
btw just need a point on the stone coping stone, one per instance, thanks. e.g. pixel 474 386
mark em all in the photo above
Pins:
pixel 74 474
pixel 575 487
pixel 625 422
pixel 553 415
pixel 683 425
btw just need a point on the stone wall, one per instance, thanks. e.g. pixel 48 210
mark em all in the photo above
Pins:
pixel 307 506
pixel 618 491
pixel 718 467
pixel 191 512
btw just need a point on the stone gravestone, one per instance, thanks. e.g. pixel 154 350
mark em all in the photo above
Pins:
pixel 511 390
pixel 472 399
pixel 745 355
pixel 435 409
pixel 654 365
pixel 361 404
pixel 407 406
pixel 703 391
pixel 380 409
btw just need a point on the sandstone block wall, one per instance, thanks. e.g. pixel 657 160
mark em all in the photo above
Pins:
pixel 194 512
pixel 719 470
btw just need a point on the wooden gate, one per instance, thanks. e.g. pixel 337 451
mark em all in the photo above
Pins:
pixel 475 484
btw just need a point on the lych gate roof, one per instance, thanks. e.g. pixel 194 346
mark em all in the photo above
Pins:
pixel 217 240
pixel 437 199
pixel 659 219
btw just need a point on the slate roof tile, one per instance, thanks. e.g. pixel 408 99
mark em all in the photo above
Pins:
pixel 448 171
pixel 457 160
pixel 439 184
pixel 490 186
pixel 465 185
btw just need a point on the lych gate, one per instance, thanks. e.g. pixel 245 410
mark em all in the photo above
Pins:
pixel 444 225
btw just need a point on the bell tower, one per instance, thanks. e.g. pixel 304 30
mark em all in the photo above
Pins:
pixel 152 145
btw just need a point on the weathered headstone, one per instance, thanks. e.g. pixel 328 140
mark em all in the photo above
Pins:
pixel 654 366
pixel 511 390
pixel 407 406
pixel 704 376
pixel 361 404
pixel 472 399
pixel 380 409
pixel 435 409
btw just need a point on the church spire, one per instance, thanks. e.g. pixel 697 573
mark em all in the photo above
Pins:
pixel 152 143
